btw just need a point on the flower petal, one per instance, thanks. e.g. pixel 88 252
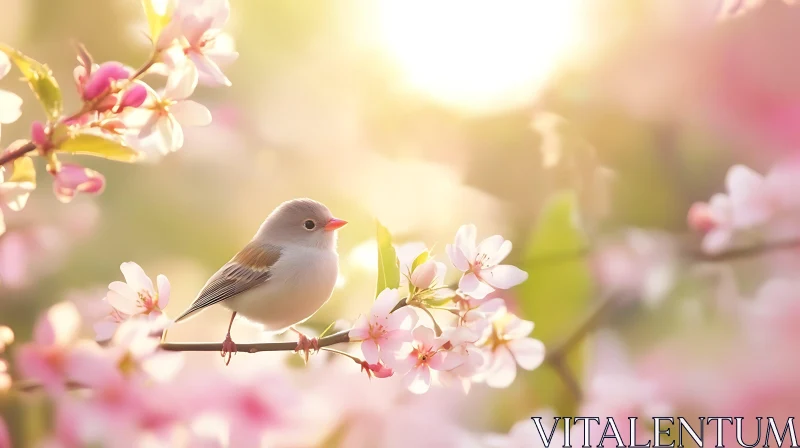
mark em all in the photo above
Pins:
pixel 191 113
pixel 181 82
pixel 10 107
pixel 457 257
pixel 71 179
pixel 163 291
pixel 517 328
pixel 418 380
pixel 136 277
pixel 384 303
pixel 370 350
pixel 473 287
pixel 528 352
pixel 504 276
pixel 465 240
pixel 208 69
pixel 503 370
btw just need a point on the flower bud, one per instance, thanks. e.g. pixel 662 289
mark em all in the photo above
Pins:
pixel 700 217
pixel 39 135
pixel 100 80
pixel 71 179
pixel 133 97
pixel 423 275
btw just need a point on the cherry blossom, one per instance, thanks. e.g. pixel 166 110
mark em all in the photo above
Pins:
pixel 46 358
pixel 10 103
pixel 102 78
pixel 429 274
pixel 157 122
pixel 424 354
pixel 480 263
pixel 376 370
pixel 507 346
pixel 197 27
pixel 136 297
pixel 382 332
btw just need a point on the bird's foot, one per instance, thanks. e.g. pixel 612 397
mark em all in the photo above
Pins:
pixel 228 348
pixel 305 345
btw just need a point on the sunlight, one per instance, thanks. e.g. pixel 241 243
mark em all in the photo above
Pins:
pixel 478 56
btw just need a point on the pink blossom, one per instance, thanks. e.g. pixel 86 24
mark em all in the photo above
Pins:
pixel 10 103
pixel 202 45
pixel 773 314
pixel 135 297
pixel 71 179
pixel 101 79
pixel 47 357
pixel 465 358
pixel 507 346
pixel 157 122
pixel 480 263
pixel 383 332
pixel 39 135
pixel 424 354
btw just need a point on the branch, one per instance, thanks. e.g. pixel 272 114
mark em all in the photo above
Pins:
pixel 336 338
pixel 17 153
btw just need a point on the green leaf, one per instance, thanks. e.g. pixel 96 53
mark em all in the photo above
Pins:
pixel 557 294
pixel 98 146
pixel 388 268
pixel 41 81
pixel 157 13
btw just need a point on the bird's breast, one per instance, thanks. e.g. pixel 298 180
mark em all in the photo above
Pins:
pixel 300 283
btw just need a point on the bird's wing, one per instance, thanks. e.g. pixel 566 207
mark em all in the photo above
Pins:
pixel 248 269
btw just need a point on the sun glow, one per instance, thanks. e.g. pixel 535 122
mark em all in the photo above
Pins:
pixel 478 56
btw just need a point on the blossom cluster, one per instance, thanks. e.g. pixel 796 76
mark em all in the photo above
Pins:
pixel 446 336
pixel 121 117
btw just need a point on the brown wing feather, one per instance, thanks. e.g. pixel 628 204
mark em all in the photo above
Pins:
pixel 249 268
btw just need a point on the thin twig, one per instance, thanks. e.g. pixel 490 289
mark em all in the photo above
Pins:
pixel 584 328
pixel 17 153
pixel 560 366
pixel 336 338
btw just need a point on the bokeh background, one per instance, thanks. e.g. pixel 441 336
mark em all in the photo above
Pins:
pixel 560 124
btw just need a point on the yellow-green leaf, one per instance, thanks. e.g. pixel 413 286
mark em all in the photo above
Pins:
pixel 40 79
pixel 99 146
pixel 157 13
pixel 24 171
pixel 388 268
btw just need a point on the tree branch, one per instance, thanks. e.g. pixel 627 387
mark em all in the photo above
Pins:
pixel 336 338
pixel 16 153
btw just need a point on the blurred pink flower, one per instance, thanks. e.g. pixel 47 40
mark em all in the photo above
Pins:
pixel 46 358
pixel 465 358
pixel 383 332
pixel 424 354
pixel 480 264
pixel 10 103
pixel 5 438
pixel 71 179
pixel 639 265
pixel 157 122
pixel 772 315
pixel 507 346
pixel 752 202
pixel 253 403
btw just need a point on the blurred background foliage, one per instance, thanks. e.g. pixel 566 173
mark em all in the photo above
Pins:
pixel 329 102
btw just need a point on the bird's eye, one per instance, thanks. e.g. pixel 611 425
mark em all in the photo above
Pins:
pixel 309 224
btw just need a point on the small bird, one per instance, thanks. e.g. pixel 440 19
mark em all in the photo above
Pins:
pixel 282 277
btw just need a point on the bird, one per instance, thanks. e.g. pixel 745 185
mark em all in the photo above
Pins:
pixel 281 277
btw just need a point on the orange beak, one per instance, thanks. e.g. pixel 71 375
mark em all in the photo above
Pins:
pixel 334 224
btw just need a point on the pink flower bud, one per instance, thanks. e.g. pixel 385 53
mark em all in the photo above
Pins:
pixel 377 370
pixel 700 217
pixel 106 103
pixel 133 97
pixel 423 275
pixel 39 135
pixel 100 80
pixel 71 179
